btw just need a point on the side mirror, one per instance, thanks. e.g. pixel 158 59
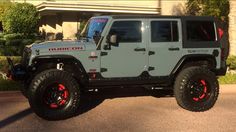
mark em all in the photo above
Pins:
pixel 113 39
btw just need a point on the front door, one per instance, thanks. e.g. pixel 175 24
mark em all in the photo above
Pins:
pixel 127 58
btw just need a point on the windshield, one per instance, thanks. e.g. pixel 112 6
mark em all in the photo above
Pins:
pixel 94 26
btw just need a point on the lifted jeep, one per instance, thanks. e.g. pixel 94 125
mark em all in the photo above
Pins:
pixel 184 53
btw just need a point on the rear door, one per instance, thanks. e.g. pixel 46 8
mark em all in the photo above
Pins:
pixel 165 45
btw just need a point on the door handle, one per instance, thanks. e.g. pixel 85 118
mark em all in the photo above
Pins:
pixel 173 49
pixel 139 49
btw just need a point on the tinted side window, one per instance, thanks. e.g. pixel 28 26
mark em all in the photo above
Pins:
pixel 127 31
pixel 164 31
pixel 200 31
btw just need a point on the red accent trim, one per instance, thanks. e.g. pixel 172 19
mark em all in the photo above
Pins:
pixel 65 49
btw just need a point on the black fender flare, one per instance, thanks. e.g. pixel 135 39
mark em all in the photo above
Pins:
pixel 80 72
pixel 200 57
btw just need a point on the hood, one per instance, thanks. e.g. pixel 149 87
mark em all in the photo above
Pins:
pixel 61 46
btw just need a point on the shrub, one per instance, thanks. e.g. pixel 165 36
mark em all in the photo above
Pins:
pixel 1 35
pixel 4 5
pixel 14 47
pixel 9 85
pixel 4 64
pixel 27 42
pixel 231 62
pixel 13 36
pixel 14 42
pixel 21 18
pixel 2 42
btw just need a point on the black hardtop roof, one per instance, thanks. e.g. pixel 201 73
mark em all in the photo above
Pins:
pixel 158 16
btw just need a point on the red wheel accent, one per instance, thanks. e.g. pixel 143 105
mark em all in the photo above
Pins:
pixel 56 96
pixel 65 94
pixel 203 86
pixel 202 96
pixel 61 87
pixel 203 82
pixel 196 99
pixel 53 105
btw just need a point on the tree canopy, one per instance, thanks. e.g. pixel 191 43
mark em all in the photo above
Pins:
pixel 20 18
pixel 4 4
pixel 217 8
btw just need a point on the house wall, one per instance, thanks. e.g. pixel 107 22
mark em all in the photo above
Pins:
pixel 130 3
pixel 232 27
pixel 55 26
pixel 173 7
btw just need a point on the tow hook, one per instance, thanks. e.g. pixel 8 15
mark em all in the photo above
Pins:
pixel 60 66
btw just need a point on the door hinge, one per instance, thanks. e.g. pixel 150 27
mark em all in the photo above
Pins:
pixel 151 68
pixel 103 70
pixel 151 53
pixel 104 53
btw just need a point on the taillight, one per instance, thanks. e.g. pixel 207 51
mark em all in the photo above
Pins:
pixel 220 32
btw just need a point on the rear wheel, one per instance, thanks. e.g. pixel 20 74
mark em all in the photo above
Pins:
pixel 196 89
pixel 54 95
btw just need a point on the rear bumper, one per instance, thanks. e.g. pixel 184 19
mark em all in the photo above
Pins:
pixel 222 70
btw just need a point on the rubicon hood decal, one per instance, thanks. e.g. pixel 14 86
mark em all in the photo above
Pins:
pixel 66 49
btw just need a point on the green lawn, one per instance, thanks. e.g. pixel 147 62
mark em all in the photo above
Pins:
pixel 228 79
pixel 8 85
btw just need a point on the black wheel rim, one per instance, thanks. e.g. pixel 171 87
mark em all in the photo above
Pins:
pixel 199 90
pixel 56 96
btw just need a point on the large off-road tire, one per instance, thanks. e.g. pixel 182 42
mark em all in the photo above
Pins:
pixel 196 89
pixel 54 95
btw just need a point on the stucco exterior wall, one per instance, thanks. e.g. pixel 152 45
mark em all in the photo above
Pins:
pixel 65 25
pixel 173 7
pixel 131 3
pixel 232 27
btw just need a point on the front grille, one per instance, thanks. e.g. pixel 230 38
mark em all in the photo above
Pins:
pixel 26 56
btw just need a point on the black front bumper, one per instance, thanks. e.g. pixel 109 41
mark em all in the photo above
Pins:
pixel 16 72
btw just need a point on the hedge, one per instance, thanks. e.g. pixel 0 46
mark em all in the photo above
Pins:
pixel 9 85
pixel 13 47
pixel 13 36
pixel 231 62
pixel 4 64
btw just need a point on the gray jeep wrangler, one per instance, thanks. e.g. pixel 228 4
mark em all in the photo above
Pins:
pixel 185 54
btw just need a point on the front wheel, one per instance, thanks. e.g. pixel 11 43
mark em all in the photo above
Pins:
pixel 54 95
pixel 196 89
